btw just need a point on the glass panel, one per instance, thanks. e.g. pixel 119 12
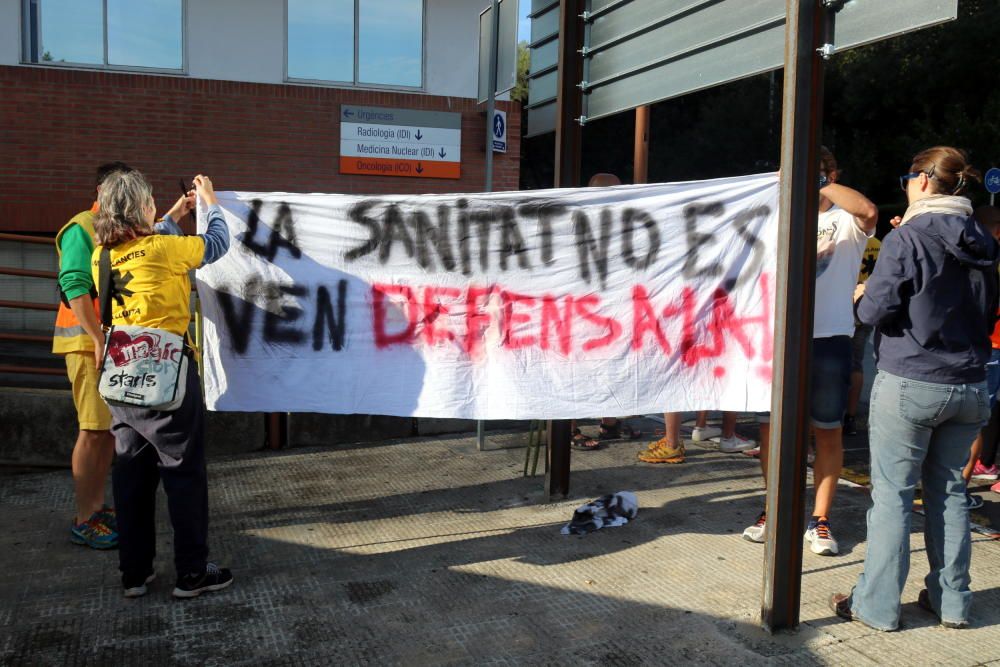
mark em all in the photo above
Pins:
pixel 390 46
pixel 72 31
pixel 545 25
pixel 321 40
pixel 145 34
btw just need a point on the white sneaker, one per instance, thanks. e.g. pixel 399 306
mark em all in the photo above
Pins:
pixel 756 532
pixel 705 433
pixel 821 540
pixel 737 443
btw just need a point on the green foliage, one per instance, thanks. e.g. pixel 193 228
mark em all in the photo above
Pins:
pixel 520 92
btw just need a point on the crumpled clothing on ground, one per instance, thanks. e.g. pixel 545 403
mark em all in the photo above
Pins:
pixel 615 509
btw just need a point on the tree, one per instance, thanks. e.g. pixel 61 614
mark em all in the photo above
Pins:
pixel 520 92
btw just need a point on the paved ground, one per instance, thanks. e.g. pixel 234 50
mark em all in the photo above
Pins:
pixel 428 552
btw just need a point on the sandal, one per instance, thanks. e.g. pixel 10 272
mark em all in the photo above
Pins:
pixel 580 441
pixel 612 432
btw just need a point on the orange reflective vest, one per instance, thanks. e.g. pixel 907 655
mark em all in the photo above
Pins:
pixel 69 335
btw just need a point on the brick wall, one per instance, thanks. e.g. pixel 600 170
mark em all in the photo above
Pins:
pixel 57 125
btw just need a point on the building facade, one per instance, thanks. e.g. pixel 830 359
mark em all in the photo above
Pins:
pixel 250 92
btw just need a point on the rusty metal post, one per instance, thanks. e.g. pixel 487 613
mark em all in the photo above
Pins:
pixel 640 162
pixel 567 175
pixel 801 122
pixel 276 430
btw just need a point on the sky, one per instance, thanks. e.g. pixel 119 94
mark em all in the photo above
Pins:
pixel 523 25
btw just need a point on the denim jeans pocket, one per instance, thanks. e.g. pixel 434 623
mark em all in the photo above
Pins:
pixel 923 403
pixel 983 402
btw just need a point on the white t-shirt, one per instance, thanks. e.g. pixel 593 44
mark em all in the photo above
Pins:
pixel 840 245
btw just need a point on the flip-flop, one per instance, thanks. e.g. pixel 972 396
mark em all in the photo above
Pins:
pixel 583 443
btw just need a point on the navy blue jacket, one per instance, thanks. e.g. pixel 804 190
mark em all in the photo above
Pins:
pixel 933 299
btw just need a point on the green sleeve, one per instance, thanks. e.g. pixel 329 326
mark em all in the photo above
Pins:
pixel 76 248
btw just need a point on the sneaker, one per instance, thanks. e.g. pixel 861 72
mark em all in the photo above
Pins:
pixel 737 443
pixel 820 538
pixel 705 433
pixel 214 578
pixel 757 531
pixel 662 451
pixel 135 587
pixel 995 488
pixel 972 501
pixel 850 425
pixel 979 471
pixel 93 533
pixel 108 517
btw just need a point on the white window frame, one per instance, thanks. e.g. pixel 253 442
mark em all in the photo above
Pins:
pixel 357 83
pixel 27 39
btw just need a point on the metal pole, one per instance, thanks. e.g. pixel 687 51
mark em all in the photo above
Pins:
pixel 640 162
pixel 492 92
pixel 490 107
pixel 795 295
pixel 567 175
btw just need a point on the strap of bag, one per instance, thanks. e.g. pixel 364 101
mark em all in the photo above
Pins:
pixel 104 286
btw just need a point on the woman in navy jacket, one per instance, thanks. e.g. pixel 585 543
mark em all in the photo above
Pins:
pixel 932 299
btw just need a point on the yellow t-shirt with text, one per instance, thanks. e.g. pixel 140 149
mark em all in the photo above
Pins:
pixel 150 279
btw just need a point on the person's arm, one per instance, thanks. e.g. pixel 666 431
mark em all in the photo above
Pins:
pixel 76 282
pixel 864 211
pixel 887 291
pixel 168 225
pixel 216 236
pixel 83 308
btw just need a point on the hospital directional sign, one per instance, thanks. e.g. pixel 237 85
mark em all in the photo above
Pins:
pixel 379 141
pixel 643 52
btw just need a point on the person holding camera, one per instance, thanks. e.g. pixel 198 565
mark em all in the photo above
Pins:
pixel 146 279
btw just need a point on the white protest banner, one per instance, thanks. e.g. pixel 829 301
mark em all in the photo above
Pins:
pixel 544 304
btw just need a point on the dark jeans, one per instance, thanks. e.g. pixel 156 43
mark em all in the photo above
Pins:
pixel 167 446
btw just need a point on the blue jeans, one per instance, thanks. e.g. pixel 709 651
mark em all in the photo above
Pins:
pixel 920 431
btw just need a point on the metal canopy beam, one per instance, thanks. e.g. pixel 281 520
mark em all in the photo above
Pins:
pixel 642 52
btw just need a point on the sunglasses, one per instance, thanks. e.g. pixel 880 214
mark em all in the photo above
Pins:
pixel 905 178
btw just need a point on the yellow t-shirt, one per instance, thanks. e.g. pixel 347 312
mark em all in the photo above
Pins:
pixel 150 278
pixel 868 259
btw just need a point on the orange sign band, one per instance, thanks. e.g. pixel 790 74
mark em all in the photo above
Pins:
pixel 375 166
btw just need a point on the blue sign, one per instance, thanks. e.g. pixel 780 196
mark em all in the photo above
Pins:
pixel 499 131
pixel 992 181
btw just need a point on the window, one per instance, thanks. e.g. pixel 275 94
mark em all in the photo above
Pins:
pixel 105 33
pixel 357 42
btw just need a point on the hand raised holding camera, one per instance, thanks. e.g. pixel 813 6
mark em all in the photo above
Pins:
pixel 182 207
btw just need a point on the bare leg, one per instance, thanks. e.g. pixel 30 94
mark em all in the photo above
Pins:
pixel 672 427
pixel 765 443
pixel 702 419
pixel 826 469
pixel 728 424
pixel 977 449
pixel 854 394
pixel 91 462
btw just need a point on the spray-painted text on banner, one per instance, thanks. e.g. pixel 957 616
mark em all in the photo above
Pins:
pixel 516 305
